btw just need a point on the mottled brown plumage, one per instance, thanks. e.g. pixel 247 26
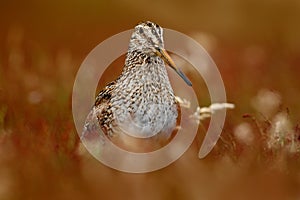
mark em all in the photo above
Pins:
pixel 140 102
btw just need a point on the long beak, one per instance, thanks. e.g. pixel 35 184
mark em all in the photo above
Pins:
pixel 165 56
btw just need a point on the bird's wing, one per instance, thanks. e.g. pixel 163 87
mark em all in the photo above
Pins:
pixel 99 117
pixel 105 94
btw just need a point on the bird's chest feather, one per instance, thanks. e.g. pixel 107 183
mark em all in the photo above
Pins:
pixel 144 103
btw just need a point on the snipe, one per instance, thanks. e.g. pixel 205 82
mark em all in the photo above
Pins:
pixel 140 102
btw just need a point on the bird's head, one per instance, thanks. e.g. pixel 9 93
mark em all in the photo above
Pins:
pixel 148 38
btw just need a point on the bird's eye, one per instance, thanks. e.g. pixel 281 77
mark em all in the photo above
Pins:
pixel 141 30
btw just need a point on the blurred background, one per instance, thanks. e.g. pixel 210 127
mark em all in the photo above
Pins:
pixel 256 46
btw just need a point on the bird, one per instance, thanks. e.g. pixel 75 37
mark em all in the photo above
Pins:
pixel 140 105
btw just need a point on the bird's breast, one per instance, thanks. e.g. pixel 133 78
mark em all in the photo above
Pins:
pixel 143 102
pixel 145 111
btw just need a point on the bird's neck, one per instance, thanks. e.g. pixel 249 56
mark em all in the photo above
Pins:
pixel 144 68
pixel 135 57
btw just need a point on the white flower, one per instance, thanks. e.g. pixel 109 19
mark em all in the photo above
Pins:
pixel 266 102
pixel 206 112
pixel 244 133
pixel 280 132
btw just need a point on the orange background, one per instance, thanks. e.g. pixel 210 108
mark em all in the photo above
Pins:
pixel 255 44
